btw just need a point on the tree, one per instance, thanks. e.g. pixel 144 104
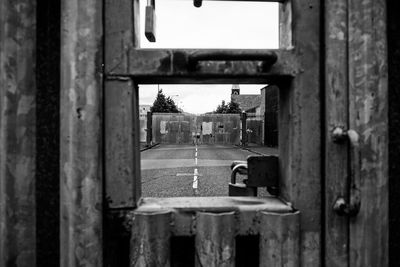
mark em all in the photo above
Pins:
pixel 231 107
pixel 164 104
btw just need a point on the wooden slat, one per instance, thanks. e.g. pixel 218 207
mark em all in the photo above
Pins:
pixel 215 239
pixel 336 155
pixel 369 117
pixel 299 128
pixel 81 190
pixel 17 133
pixel 122 137
pixel 150 242
pixel 280 239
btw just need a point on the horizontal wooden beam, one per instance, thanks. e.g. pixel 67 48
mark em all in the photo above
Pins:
pixel 173 66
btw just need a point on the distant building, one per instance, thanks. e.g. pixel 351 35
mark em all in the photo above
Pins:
pixel 262 107
pixel 247 103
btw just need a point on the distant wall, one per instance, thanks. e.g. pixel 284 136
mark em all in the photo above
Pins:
pixel 255 131
pixel 173 128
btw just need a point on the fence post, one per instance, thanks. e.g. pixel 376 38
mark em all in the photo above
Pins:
pixel 243 116
pixel 149 133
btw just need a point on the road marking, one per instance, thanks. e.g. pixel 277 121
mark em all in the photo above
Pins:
pixel 187 174
pixel 195 179
pixel 195 161
pixel 195 154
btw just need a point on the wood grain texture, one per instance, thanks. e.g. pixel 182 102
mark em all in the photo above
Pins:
pixel 368 93
pixel 280 239
pixel 215 239
pixel 300 128
pixel 17 133
pixel 81 196
pixel 336 114
pixel 150 242
pixel 122 137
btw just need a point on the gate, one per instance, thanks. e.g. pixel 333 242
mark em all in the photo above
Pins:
pixel 172 128
pixel 100 126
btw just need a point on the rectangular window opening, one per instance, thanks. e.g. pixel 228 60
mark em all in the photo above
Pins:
pixel 216 24
pixel 190 134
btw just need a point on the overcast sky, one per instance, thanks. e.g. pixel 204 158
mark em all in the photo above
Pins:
pixel 217 24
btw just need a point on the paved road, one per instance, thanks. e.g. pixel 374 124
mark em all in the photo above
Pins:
pixel 188 170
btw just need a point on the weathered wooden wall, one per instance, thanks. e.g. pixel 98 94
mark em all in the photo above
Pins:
pixel 17 133
pixel 81 194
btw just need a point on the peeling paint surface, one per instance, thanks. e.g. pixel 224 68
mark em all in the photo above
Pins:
pixel 80 135
pixel 17 133
pixel 368 91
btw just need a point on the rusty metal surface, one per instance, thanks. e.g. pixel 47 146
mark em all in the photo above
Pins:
pixel 263 171
pixel 150 241
pixel 215 239
pixel 368 95
pixel 336 155
pixel 17 133
pixel 280 239
pixel 300 124
pixel 81 195
pixel 184 208
pixel 122 177
pixel 172 66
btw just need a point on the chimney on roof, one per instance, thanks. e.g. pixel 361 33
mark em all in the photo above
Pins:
pixel 235 89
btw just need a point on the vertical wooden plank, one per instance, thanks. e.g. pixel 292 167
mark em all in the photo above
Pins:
pixel 215 239
pixel 17 133
pixel 150 243
pixel 122 137
pixel 279 239
pixel 368 80
pixel 336 115
pixel 300 126
pixel 81 190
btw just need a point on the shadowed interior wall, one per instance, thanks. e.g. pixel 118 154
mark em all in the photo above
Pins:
pixel 48 125
pixel 394 130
